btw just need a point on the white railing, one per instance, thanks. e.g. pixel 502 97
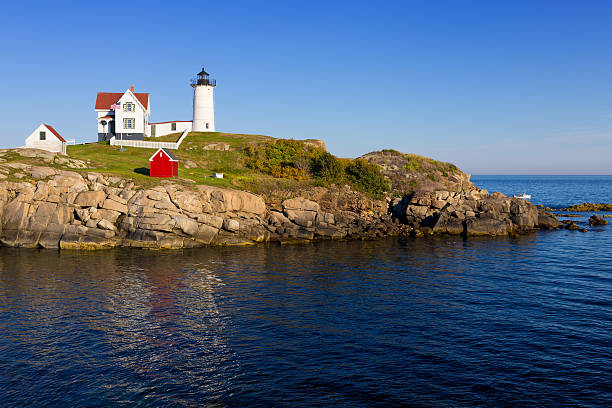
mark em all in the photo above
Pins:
pixel 183 136
pixel 148 144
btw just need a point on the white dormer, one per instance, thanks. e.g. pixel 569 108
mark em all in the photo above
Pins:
pixel 131 116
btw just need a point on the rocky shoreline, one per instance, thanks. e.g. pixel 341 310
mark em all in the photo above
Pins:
pixel 589 207
pixel 68 210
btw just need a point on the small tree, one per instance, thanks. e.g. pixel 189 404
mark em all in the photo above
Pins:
pixel 367 177
pixel 326 166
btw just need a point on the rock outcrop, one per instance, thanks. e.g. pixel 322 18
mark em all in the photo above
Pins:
pixel 473 213
pixel 53 208
pixel 91 211
pixel 409 173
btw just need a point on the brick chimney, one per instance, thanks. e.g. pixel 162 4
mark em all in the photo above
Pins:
pixel 132 88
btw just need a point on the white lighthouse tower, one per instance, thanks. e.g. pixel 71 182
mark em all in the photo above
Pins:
pixel 203 103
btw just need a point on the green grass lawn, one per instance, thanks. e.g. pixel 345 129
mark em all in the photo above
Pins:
pixel 172 137
pixel 198 160
pixel 235 140
pixel 133 163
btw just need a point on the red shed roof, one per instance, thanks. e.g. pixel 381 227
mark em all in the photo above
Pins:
pixel 105 99
pixel 54 132
pixel 167 152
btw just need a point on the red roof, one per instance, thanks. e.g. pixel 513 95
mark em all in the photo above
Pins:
pixel 105 99
pixel 107 117
pixel 167 152
pixel 54 132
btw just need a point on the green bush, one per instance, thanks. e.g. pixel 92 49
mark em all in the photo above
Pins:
pixel 292 159
pixel 367 177
pixel 326 166
pixel 282 158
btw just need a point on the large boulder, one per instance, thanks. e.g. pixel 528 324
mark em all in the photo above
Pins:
pixel 228 200
pixel 449 225
pixel 301 211
pixel 187 225
pixel 114 205
pixel 231 225
pixel 90 198
pixel 15 214
pixel 38 172
pixel 485 226
pixel 300 203
pixel 106 225
pixel 38 153
pixel 69 181
pixel 185 200
pixel 548 221
pixel 523 214
pixel 302 218
pixel 206 234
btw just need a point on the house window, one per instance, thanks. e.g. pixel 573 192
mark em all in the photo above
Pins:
pixel 43 135
pixel 129 123
pixel 173 126
pixel 206 125
pixel 129 107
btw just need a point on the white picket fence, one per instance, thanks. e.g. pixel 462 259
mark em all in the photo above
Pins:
pixel 147 144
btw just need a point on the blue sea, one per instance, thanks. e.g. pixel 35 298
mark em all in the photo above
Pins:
pixel 551 191
pixel 430 322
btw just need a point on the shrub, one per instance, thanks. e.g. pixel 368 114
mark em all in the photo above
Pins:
pixel 302 163
pixel 290 173
pixel 282 158
pixel 326 166
pixel 368 177
pixel 413 166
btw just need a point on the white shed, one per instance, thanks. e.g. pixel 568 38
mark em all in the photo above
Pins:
pixel 46 138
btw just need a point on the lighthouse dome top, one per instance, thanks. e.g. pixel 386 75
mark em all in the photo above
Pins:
pixel 203 78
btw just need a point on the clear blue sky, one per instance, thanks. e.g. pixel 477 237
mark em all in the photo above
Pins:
pixel 497 88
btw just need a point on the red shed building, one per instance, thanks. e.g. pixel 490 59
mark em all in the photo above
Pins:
pixel 163 164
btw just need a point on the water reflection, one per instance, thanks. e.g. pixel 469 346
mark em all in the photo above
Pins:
pixel 351 323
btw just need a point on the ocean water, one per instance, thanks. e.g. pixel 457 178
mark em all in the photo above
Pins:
pixel 551 191
pixel 400 322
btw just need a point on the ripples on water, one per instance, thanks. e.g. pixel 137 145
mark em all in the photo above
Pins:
pixel 425 322
pixel 429 322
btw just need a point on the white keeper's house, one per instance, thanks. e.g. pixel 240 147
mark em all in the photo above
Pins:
pixel 126 115
pixel 45 137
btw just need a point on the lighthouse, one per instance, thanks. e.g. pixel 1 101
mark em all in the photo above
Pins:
pixel 203 102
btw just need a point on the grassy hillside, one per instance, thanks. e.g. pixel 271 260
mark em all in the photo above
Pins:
pixel 252 162
pixel 196 164
pixel 260 164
